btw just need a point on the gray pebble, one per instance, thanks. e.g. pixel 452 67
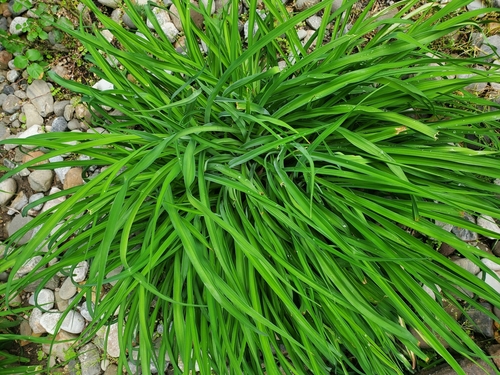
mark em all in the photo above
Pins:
pixel 68 112
pixel 34 198
pixel 59 124
pixel 18 203
pixel 128 21
pixel 12 75
pixel 11 104
pixel 73 124
pixel 34 321
pixel 20 94
pixel 304 4
pixel 85 311
pixel 41 179
pixel 314 22
pixel 110 3
pixel 68 289
pixel 467 265
pixel 29 265
pixel 8 90
pixel 41 97
pixel 17 223
pixel 59 107
pixel 2 98
pixel 80 271
pixel 89 357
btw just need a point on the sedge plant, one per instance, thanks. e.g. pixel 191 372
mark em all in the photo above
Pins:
pixel 269 203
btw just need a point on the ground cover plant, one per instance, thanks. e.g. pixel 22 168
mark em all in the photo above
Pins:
pixel 263 199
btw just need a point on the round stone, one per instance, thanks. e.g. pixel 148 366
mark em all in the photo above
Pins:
pixel 41 180
pixel 44 299
pixel 7 190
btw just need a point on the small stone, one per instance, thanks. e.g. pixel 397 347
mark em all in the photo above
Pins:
pixel 128 21
pixel 63 346
pixel 314 22
pixel 59 124
pixel 33 155
pixel 8 90
pixel 32 115
pixel 68 289
pixel 467 265
pixel 73 322
pixel 111 336
pixel 61 303
pixel 103 85
pixel 110 3
pixel 483 323
pixel 41 180
pixel 5 57
pixel 487 222
pixel 11 104
pixel 465 234
pixel 494 351
pixel 490 280
pixel 18 203
pixel 90 361
pixel 196 17
pixel 34 198
pixel 59 107
pixel 20 94
pixel 17 25
pixel 84 310
pixel 29 265
pixel 446 249
pixel 39 94
pixel 12 75
pixel 82 113
pixel 305 4
pixel 34 321
pixel 112 369
pixel 25 330
pixel 494 266
pixel 8 188
pixel 68 112
pixel 18 223
pixel 116 15
pixel 44 299
pixel 34 130
pixel 54 202
pixel 74 124
pixel 80 271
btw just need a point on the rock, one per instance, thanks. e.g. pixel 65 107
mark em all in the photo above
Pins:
pixel 487 222
pixel 59 107
pixel 84 310
pixel 12 75
pixel 33 130
pixel 430 292
pixel 41 180
pixel 465 234
pixel 314 22
pixel 446 249
pixel 80 271
pixel 34 321
pixel 488 279
pixel 74 124
pixel 116 15
pixel 73 178
pixel 44 299
pixel 467 265
pixel 494 351
pixel 29 265
pixel 68 112
pixel 110 3
pixel 82 113
pixel 161 16
pixel 128 21
pixel 67 290
pixel 196 17
pixel 59 124
pixel 32 115
pixel 34 198
pixel 17 223
pixel 491 264
pixel 483 323
pixel 73 322
pixel 54 202
pixel 114 272
pixel 476 4
pixel 112 369
pixel 110 334
pixel 25 330
pixel 39 94
pixel 17 25
pixel 469 368
pixel 11 104
pixel 18 203
pixel 90 361
pixel 103 85
pixel 33 155
pixel 61 303
pixel 5 57
pixel 304 4
pixel 20 94
pixel 8 188
pixel 62 349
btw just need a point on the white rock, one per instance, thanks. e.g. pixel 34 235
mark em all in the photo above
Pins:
pixel 31 131
pixel 49 321
pixel 73 322
pixel 108 35
pixel 85 311
pixel 314 22
pixel 80 272
pixel 113 346
pixel 12 75
pixel 161 16
pixel 44 299
pixel 170 31
pixel 491 264
pixel 301 33
pixel 487 222
pixel 205 3
pixel 429 291
pixel 34 321
pixel 495 284
pixel 103 85
pixel 54 202
pixel 29 265
pixel 67 290
pixel 18 203
pixel 114 272
pixel 34 198
pixel 17 24
pixel 7 190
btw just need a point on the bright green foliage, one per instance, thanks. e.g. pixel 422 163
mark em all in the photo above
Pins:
pixel 255 209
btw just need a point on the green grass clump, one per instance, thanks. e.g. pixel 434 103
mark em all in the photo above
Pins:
pixel 265 216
